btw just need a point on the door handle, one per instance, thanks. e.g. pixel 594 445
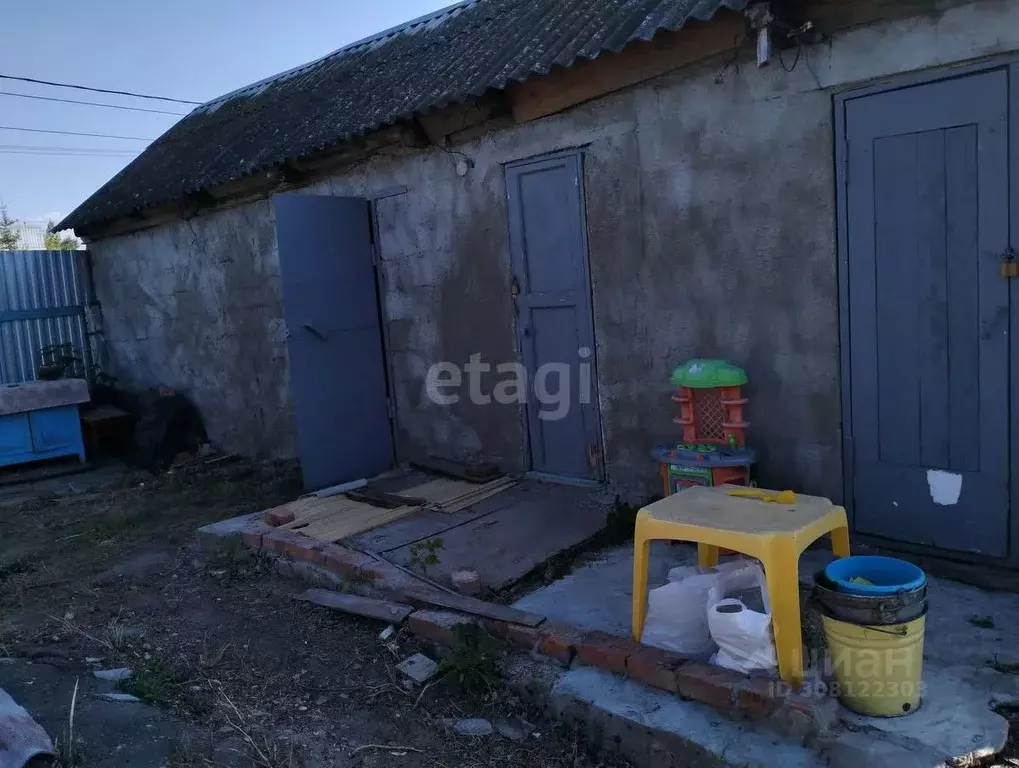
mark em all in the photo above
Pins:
pixel 314 331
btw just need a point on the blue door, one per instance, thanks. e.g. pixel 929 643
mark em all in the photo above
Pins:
pixel 548 246
pixel 338 385
pixel 927 193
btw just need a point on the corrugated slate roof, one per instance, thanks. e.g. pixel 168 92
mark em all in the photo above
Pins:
pixel 446 57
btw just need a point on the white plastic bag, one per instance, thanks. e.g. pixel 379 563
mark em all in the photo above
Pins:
pixel 677 615
pixel 744 637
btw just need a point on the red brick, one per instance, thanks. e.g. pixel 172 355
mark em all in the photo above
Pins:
pixel 296 545
pixel 343 561
pixel 559 641
pixel 277 517
pixel 654 667
pixel 605 651
pixel 525 638
pixel 276 541
pixel 496 628
pixel 759 696
pixel 252 539
pixel 709 684
pixel 437 626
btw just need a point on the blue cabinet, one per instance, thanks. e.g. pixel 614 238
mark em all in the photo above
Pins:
pixel 15 437
pixel 46 433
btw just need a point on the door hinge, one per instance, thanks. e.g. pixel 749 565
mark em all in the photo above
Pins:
pixel 390 408
pixel 845 162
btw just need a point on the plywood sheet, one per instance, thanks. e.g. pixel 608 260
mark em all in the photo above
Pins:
pixel 451 495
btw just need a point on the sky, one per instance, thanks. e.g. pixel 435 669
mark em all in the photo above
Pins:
pixel 188 49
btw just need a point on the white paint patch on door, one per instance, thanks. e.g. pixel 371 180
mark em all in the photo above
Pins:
pixel 945 487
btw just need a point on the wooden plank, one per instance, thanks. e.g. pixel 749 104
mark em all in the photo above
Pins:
pixel 474 473
pixel 474 607
pixel 383 610
pixel 379 498
pixel 324 508
pixel 440 490
pixel 461 504
pixel 453 495
pixel 352 522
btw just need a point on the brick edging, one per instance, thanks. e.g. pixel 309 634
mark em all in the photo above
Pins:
pixel 792 713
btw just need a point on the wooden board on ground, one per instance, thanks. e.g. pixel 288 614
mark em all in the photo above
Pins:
pixel 449 495
pixel 473 606
pixel 336 517
pixel 349 521
pixel 383 610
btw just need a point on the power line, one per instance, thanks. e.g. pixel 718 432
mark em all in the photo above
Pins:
pixel 38 149
pixel 72 133
pixel 65 154
pixel 91 103
pixel 98 90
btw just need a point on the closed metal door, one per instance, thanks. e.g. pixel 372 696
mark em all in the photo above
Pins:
pixel 548 243
pixel 334 339
pixel 927 194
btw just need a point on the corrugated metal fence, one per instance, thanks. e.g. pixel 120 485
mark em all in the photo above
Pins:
pixel 44 297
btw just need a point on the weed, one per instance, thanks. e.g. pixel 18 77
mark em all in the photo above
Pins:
pixel 472 665
pixel 66 756
pixel 984 622
pixel 159 684
pixel 425 553
pixel 619 523
pixel 14 566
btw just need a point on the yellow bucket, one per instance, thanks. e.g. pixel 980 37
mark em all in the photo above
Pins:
pixel 878 670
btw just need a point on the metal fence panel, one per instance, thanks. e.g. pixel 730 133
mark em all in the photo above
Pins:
pixel 43 301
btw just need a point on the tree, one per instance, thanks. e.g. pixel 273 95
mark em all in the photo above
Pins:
pixel 10 238
pixel 55 241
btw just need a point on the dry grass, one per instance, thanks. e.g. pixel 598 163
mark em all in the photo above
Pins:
pixel 225 649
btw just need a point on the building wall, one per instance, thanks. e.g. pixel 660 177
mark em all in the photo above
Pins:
pixel 711 216
pixel 196 306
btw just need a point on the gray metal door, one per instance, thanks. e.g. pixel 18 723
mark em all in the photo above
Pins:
pixel 927 194
pixel 548 242
pixel 334 339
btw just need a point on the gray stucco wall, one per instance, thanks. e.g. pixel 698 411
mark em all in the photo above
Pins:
pixel 196 306
pixel 711 216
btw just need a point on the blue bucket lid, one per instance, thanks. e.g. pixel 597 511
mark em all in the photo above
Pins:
pixel 874 576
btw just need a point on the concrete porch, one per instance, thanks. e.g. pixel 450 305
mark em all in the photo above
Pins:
pixel 970 664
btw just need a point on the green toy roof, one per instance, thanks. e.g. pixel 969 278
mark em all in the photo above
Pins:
pixel 704 374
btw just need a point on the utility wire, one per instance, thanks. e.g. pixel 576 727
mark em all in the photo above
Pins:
pixel 98 90
pixel 72 133
pixel 64 154
pixel 38 149
pixel 90 103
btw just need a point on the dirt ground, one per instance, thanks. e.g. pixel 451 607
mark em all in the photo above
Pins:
pixel 104 573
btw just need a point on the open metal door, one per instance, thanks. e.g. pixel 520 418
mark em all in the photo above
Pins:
pixel 338 382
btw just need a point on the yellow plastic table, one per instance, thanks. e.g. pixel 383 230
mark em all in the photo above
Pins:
pixel 774 533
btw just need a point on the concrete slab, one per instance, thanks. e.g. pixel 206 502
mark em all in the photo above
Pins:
pixel 642 722
pixel 504 537
pixel 968 669
pixel 106 731
pixel 953 721
pixel 597 595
